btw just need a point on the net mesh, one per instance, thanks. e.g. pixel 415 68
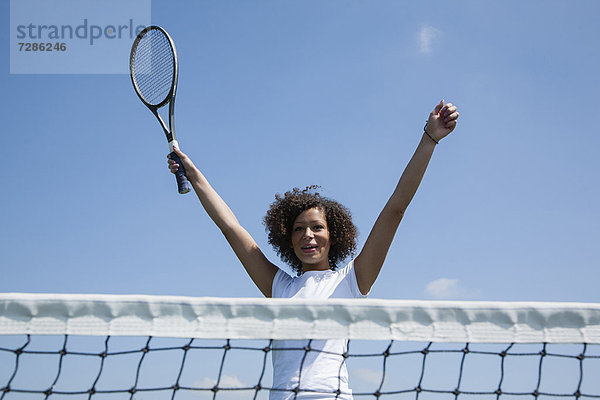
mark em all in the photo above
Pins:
pixel 152 66
pixel 74 365
pixel 157 368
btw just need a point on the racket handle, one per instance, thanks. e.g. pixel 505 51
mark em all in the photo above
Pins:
pixel 183 185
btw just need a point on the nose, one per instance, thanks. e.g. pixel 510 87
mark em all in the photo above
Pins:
pixel 308 233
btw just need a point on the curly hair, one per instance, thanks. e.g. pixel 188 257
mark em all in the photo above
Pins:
pixel 285 209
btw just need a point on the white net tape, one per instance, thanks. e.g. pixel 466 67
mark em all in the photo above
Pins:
pixel 250 318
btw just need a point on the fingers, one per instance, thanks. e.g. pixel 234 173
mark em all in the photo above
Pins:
pixel 438 108
pixel 450 125
pixel 173 166
pixel 450 115
pixel 448 109
pixel 450 118
pixel 444 109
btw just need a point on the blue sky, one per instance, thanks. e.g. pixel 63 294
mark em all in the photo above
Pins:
pixel 280 94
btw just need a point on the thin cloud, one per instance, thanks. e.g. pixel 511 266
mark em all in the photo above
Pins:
pixel 368 375
pixel 446 288
pixel 427 35
pixel 227 381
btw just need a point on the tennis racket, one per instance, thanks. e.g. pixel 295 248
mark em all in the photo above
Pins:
pixel 153 68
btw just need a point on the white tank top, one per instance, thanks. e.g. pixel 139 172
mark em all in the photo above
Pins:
pixel 323 367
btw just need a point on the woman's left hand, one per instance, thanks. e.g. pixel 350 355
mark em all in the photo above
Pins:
pixel 442 120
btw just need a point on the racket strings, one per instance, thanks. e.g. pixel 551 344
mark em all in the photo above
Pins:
pixel 153 63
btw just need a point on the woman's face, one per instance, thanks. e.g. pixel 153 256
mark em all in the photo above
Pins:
pixel 310 240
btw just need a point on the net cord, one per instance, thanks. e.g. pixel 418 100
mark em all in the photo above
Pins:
pixel 253 318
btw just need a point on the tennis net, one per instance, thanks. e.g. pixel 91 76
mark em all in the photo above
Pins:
pixel 158 347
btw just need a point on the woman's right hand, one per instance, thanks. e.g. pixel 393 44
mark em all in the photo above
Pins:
pixel 188 165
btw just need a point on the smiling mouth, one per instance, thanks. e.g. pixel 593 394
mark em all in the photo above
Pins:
pixel 309 248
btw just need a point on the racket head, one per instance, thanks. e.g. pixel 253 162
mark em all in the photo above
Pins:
pixel 153 66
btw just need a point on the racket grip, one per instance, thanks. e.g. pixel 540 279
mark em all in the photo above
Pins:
pixel 183 185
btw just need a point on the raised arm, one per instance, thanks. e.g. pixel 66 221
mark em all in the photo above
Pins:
pixel 261 270
pixel 441 122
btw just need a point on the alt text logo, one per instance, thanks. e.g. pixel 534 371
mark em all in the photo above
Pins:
pixel 84 31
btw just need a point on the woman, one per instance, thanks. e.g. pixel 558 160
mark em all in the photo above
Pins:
pixel 312 234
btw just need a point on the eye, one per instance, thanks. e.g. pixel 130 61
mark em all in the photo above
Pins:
pixel 298 229
pixel 318 227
